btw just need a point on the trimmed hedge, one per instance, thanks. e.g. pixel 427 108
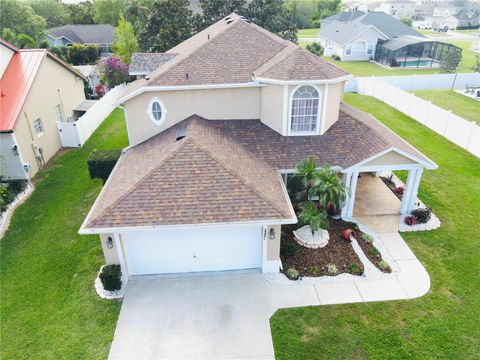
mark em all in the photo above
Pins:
pixel 101 163
pixel 111 277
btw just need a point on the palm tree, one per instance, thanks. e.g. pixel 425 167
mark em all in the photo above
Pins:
pixel 136 13
pixel 329 188
pixel 306 174
pixel 311 215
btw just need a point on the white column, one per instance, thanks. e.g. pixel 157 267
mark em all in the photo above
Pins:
pixel 411 188
pixel 346 180
pixel 415 186
pixel 353 190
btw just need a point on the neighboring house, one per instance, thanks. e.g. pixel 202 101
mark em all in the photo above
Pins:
pixel 91 34
pixel 91 73
pixel 476 42
pixel 360 36
pixel 449 14
pixel 37 90
pixel 399 9
pixel 143 64
pixel 215 133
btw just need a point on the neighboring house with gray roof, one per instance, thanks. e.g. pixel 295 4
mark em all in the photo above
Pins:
pixel 215 132
pixel 449 14
pixel 92 34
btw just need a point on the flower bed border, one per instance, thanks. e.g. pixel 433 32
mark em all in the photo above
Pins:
pixel 6 216
pixel 106 294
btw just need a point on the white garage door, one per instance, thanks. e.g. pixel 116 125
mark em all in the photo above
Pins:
pixel 191 250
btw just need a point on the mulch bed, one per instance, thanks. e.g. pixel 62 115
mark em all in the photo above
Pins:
pixel 371 253
pixel 391 186
pixel 313 262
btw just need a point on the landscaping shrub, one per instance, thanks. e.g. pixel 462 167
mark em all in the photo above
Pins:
pixel 399 190
pixel 79 54
pixel 293 274
pixel 332 269
pixel 336 57
pixel 111 277
pixel 373 251
pixel 356 269
pixel 314 270
pixel 8 192
pixel 383 265
pixel 367 238
pixel 113 71
pixel 411 220
pixel 289 250
pixel 100 90
pixel 101 163
pixel 315 48
pixel 423 215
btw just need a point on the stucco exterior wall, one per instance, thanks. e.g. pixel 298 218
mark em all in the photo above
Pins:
pixel 53 85
pixel 334 97
pixel 5 57
pixel 391 158
pixel 273 246
pixel 370 36
pixel 11 165
pixel 111 255
pixel 272 109
pixel 212 104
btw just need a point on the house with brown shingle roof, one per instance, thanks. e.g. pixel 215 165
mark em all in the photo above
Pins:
pixel 215 131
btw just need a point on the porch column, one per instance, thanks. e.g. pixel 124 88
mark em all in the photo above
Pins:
pixel 350 181
pixel 346 180
pixel 411 190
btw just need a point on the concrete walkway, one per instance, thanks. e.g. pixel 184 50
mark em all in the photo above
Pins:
pixel 226 315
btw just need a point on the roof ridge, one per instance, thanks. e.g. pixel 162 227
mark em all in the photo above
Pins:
pixel 237 176
pixel 276 59
pixel 92 222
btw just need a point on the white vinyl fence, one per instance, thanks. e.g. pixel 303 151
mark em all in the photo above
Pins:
pixel 422 82
pixel 456 129
pixel 74 134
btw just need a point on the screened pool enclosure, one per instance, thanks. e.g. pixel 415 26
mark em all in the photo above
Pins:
pixel 412 51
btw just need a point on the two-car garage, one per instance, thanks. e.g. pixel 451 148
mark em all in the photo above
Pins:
pixel 178 250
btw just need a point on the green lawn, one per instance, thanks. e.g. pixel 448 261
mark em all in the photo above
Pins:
pixel 444 324
pixel 467 31
pixel 48 306
pixel 432 33
pixel 308 32
pixel 468 56
pixel 460 105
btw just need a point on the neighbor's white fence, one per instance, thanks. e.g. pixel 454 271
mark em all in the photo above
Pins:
pixel 421 82
pixel 456 129
pixel 74 134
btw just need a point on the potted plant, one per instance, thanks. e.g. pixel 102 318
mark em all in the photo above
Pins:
pixel 347 233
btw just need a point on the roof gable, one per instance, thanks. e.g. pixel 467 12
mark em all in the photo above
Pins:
pixel 85 33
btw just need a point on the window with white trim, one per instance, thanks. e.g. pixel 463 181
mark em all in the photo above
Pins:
pixel 359 45
pixel 304 115
pixel 348 50
pixel 156 111
pixel 370 49
pixel 38 127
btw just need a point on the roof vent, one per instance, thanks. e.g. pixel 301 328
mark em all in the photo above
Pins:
pixel 181 133
pixel 186 76
pixel 229 21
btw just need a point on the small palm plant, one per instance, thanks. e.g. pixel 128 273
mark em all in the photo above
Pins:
pixel 329 188
pixel 311 215
pixel 306 173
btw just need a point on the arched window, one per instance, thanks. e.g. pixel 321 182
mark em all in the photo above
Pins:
pixel 304 114
pixel 360 45
pixel 156 111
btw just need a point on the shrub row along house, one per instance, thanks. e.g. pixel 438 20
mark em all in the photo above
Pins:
pixel 360 36
pixel 38 89
pixel 215 132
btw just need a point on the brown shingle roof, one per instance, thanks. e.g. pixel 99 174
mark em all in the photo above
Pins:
pixel 145 63
pixel 226 170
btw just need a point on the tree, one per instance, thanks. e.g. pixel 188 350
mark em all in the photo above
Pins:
pixel 80 13
pixel 214 10
pixel 51 10
pixel 407 21
pixel 113 71
pixel 325 8
pixel 21 19
pixel 476 66
pixel 9 35
pixel 311 215
pixel 125 42
pixel 329 188
pixel 302 12
pixel 137 11
pixel 82 54
pixel 315 48
pixel 108 11
pixel 169 23
pixel 450 60
pixel 273 16
pixel 23 41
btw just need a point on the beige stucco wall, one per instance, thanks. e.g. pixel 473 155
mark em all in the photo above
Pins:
pixel 273 246
pixel 334 97
pixel 272 109
pixel 5 57
pixel 213 104
pixel 391 158
pixel 53 85
pixel 111 255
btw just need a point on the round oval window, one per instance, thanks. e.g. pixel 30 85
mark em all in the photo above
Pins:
pixel 157 111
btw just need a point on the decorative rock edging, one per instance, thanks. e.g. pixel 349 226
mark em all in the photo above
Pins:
pixel 370 272
pixel 432 224
pixel 305 238
pixel 106 294
pixel 19 200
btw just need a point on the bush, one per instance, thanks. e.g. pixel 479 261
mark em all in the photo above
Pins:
pixel 336 57
pixel 293 274
pixel 356 269
pixel 383 265
pixel 367 238
pixel 423 215
pixel 399 190
pixel 101 90
pixel 79 54
pixel 410 220
pixel 17 186
pixel 314 270
pixel 289 250
pixel 111 277
pixel 332 269
pixel 101 163
pixel 373 251
pixel 113 71
pixel 315 48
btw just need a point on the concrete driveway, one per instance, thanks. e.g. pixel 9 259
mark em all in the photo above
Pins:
pixel 209 316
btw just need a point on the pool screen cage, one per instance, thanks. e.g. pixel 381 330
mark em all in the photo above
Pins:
pixel 413 53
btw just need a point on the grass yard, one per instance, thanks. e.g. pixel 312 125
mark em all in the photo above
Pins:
pixel 468 31
pixel 48 306
pixel 468 56
pixel 432 33
pixel 440 325
pixel 308 32
pixel 460 105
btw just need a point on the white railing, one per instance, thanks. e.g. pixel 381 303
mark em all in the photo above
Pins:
pixel 456 129
pixel 74 134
